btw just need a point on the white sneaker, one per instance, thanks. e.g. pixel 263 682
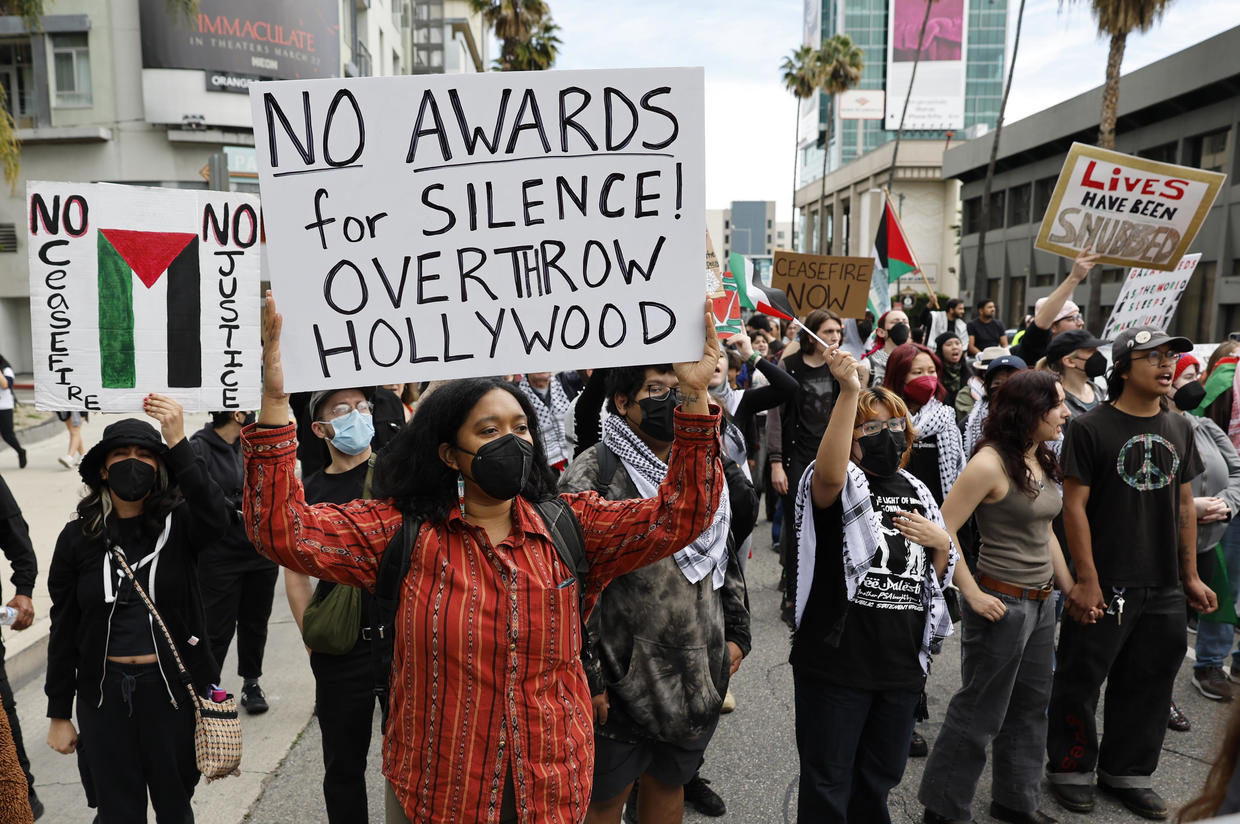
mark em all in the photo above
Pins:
pixel 729 703
pixel 77 460
pixel 66 461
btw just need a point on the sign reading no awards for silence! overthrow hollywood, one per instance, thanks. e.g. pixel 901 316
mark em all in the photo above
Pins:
pixel 136 290
pixel 427 227
pixel 1131 211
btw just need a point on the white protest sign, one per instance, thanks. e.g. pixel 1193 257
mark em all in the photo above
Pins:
pixel 1149 297
pixel 1131 211
pixel 449 226
pixel 136 290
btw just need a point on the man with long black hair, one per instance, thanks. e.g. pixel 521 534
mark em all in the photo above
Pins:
pixel 1132 532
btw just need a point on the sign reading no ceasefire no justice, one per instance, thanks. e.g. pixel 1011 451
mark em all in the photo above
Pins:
pixel 445 227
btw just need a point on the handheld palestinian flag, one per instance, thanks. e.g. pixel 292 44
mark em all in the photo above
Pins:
pixel 893 258
pixel 756 296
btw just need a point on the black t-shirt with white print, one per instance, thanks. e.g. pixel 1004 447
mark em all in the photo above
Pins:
pixel 880 645
pixel 1133 467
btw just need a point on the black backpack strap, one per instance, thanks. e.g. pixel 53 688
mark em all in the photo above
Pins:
pixel 393 567
pixel 566 534
pixel 608 463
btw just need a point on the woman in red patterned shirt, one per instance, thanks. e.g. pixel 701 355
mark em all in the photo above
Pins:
pixel 490 715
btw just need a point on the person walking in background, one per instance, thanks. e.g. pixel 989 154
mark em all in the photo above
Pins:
pixel 937 457
pixel 985 330
pixel 550 401
pixel 1008 648
pixel 892 331
pixel 957 371
pixel 1075 358
pixel 73 422
pixel 8 401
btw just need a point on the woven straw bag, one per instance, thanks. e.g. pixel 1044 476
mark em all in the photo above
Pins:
pixel 217 726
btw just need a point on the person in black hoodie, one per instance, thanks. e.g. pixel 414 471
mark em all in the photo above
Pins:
pixel 156 505
pixel 237 583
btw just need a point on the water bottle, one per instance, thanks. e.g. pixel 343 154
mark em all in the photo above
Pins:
pixel 7 616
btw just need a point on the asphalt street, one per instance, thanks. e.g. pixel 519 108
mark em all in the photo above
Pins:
pixel 752 761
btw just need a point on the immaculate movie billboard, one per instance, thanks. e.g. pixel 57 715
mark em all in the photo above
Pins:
pixel 279 39
pixel 811 35
pixel 937 102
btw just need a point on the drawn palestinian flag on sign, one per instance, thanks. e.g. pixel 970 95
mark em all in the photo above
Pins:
pixel 128 260
pixel 727 309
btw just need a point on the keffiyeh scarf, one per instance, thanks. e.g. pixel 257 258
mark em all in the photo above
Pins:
pixel 973 426
pixel 708 555
pixel 937 419
pixel 861 541
pixel 550 418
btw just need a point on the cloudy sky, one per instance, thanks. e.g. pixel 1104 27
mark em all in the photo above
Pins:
pixel 750 118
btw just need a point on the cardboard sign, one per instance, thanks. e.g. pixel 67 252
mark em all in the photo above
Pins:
pixel 1149 297
pixel 1131 211
pixel 841 284
pixel 450 226
pixel 136 290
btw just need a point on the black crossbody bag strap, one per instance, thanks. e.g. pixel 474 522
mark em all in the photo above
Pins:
pixel 393 567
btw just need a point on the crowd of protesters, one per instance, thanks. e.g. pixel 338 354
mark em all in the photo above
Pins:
pixel 538 580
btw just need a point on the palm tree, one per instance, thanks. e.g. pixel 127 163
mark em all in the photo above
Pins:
pixel 525 32
pixel 1115 18
pixel 536 54
pixel 801 78
pixel 980 275
pixel 921 40
pixel 840 63
pixel 30 11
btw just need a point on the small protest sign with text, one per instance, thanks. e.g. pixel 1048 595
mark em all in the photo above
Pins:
pixel 1131 211
pixel 1149 297
pixel 811 282
pixel 426 227
pixel 136 290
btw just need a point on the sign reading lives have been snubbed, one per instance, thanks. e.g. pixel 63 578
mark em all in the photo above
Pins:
pixel 1131 211
pixel 425 227
pixel 136 290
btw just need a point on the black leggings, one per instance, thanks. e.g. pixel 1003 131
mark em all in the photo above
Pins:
pixel 6 430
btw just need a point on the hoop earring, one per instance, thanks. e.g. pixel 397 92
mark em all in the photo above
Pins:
pixel 460 492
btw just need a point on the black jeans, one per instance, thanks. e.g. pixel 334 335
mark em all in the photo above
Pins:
pixel 237 595
pixel 6 430
pixel 10 709
pixel 853 745
pixel 135 743
pixel 345 705
pixel 1139 659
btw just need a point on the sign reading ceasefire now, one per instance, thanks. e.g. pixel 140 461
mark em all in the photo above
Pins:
pixel 841 284
pixel 1131 211
pixel 450 226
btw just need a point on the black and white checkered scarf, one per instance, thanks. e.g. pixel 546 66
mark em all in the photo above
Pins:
pixel 550 418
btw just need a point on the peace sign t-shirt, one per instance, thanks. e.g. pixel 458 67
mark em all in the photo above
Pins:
pixel 1133 467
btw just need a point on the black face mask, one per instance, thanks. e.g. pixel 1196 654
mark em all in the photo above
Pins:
pixel 659 416
pixel 1189 396
pixel 898 334
pixel 131 479
pixel 1095 365
pixel 502 467
pixel 881 452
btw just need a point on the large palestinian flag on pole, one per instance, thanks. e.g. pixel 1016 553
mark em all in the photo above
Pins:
pixel 755 295
pixel 131 259
pixel 893 258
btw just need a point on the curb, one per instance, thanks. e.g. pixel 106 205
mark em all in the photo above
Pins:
pixel 29 663
pixel 38 432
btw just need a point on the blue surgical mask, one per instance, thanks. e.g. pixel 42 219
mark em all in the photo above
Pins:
pixel 354 432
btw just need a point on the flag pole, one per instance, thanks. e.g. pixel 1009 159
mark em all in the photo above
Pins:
pixel 826 346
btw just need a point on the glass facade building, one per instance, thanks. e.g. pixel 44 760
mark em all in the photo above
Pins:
pixel 866 22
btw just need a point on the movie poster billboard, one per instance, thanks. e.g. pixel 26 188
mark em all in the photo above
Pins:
pixel 811 35
pixel 278 39
pixel 937 102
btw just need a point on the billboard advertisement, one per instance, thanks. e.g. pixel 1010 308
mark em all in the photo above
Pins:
pixel 279 39
pixel 811 35
pixel 937 102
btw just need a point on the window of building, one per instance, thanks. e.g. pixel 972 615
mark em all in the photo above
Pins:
pixel 726 237
pixel 1163 154
pixel 1018 204
pixel 725 223
pixel 768 224
pixel 768 237
pixel 971 215
pixel 1043 280
pixel 1042 191
pixel 1209 151
pixel 17 77
pixel 995 218
pixel 1112 275
pixel 71 70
